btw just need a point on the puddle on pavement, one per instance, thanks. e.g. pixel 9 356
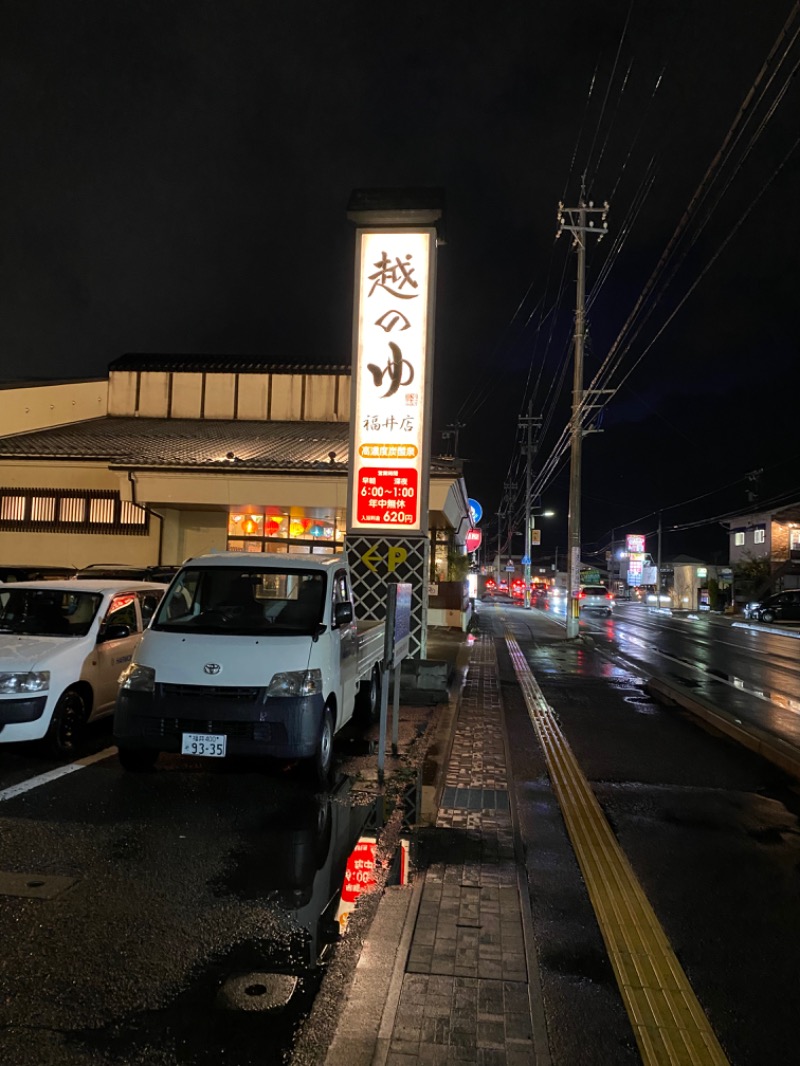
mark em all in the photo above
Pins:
pixel 244 1004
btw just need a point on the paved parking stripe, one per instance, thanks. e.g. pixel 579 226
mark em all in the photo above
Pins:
pixel 669 1023
pixel 53 775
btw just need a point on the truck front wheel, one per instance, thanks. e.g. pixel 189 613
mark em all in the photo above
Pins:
pixel 322 761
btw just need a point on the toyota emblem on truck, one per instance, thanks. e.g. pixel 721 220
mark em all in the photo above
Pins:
pixel 212 668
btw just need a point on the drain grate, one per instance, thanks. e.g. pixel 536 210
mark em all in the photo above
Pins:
pixel 34 886
pixel 475 799
pixel 259 991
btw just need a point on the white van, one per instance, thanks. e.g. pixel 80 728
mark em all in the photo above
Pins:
pixel 63 646
pixel 250 654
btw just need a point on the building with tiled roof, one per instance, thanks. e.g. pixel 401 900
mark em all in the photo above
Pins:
pixel 174 456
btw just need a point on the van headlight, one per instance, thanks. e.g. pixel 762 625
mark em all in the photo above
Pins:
pixel 31 681
pixel 138 678
pixel 296 683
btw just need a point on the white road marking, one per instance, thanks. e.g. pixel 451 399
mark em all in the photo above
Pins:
pixel 53 775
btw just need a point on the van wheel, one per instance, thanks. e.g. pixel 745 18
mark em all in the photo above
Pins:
pixel 368 700
pixel 68 719
pixel 767 616
pixel 137 760
pixel 322 762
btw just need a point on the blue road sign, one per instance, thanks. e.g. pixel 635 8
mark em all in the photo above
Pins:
pixel 475 510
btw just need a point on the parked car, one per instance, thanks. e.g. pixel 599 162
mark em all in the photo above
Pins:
pixel 127 572
pixel 595 599
pixel 34 573
pixel 63 646
pixel 780 607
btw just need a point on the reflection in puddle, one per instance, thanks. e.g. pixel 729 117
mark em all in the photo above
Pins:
pixel 289 860
pixel 786 702
pixel 294 861
pixel 777 698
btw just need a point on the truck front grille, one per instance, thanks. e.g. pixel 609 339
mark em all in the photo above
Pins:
pixel 216 692
pixel 173 727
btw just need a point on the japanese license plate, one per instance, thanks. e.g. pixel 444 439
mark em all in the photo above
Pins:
pixel 203 744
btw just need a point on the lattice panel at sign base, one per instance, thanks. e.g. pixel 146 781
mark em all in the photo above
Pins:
pixel 374 561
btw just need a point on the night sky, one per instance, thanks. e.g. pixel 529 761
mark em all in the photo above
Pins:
pixel 175 180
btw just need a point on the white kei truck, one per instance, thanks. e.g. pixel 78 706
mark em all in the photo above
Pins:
pixel 250 655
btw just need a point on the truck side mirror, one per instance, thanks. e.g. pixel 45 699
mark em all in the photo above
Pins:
pixel 342 614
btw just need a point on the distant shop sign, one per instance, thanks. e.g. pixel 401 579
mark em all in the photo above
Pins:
pixel 634 542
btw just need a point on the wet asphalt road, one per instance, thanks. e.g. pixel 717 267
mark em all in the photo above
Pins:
pixel 174 895
pixel 710 830
pixel 183 916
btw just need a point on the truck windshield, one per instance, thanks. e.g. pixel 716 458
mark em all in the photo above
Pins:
pixel 247 601
pixel 47 612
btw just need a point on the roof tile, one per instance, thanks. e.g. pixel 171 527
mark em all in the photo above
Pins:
pixel 194 443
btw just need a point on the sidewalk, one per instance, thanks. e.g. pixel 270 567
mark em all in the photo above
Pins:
pixel 445 970
pixel 447 973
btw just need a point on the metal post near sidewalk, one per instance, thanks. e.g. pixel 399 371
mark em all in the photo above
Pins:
pixel 385 672
pixel 395 709
pixel 395 648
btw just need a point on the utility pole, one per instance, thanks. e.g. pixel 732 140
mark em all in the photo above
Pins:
pixel 580 222
pixel 497 568
pixel 528 424
pixel 451 433
pixel 658 565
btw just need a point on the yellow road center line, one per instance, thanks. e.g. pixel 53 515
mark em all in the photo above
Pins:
pixel 668 1021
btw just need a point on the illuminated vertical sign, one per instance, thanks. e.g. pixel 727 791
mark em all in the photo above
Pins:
pixel 389 462
pixel 634 542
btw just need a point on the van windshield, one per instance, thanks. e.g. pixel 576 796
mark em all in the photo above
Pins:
pixel 245 601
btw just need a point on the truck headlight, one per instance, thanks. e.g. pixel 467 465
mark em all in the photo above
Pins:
pixel 137 678
pixel 32 681
pixel 296 683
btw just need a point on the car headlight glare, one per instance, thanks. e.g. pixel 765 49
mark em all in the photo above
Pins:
pixel 32 681
pixel 296 683
pixel 138 678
